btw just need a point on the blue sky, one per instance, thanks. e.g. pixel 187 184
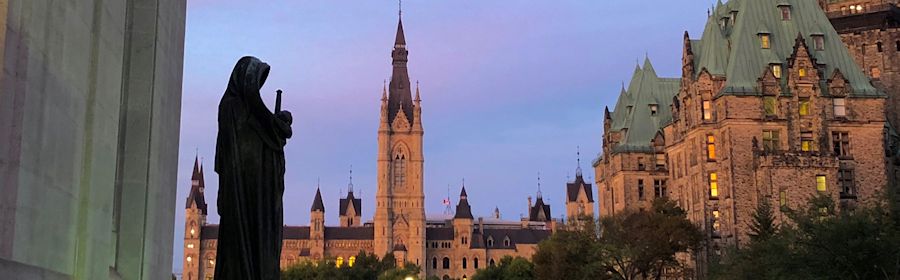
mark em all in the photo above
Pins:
pixel 510 88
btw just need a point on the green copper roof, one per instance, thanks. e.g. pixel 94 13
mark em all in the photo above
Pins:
pixel 733 49
pixel 633 109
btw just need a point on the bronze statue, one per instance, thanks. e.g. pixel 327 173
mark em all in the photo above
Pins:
pixel 250 164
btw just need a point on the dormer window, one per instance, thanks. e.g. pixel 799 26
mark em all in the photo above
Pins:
pixel 776 70
pixel 490 242
pixel 818 42
pixel 785 12
pixel 733 17
pixel 653 109
pixel 764 40
pixel 506 242
pixel 802 72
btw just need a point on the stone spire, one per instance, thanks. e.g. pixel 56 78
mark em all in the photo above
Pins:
pixel 400 92
pixel 196 196
pixel 317 202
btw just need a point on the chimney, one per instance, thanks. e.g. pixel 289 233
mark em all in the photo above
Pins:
pixel 481 225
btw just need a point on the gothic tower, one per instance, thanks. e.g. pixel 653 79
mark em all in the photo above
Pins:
pixel 195 219
pixel 400 212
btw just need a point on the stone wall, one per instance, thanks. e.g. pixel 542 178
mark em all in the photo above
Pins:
pixel 89 122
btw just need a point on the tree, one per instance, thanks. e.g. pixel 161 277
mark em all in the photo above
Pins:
pixel 645 244
pixel 569 254
pixel 819 242
pixel 366 267
pixel 509 268
pixel 763 225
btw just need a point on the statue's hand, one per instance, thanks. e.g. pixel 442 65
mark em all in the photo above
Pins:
pixel 285 116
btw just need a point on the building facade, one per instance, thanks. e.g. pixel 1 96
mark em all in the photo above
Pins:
pixel 443 246
pixel 771 106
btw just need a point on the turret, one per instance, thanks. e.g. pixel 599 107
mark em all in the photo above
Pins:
pixel 462 221
pixel 195 219
pixel 350 207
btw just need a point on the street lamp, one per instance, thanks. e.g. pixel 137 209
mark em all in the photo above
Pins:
pixel 409 278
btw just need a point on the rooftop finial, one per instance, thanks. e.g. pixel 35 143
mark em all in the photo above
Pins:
pixel 317 183
pixel 400 8
pixel 539 195
pixel 350 186
pixel 578 156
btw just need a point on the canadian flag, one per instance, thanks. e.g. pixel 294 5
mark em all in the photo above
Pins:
pixel 446 201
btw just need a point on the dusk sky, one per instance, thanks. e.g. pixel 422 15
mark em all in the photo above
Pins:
pixel 509 88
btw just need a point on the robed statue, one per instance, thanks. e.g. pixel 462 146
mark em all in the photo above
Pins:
pixel 250 164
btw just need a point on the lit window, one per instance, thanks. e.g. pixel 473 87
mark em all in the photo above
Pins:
pixel 819 42
pixel 820 183
pixel 782 198
pixel 785 12
pixel 764 41
pixel 840 107
pixel 802 72
pixel 776 70
pixel 660 161
pixel 190 245
pixel 804 107
pixel 715 221
pixel 876 73
pixel 713 185
pixel 351 260
pixel 770 140
pixel 806 141
pixel 640 189
pixel 192 232
pixel 707 110
pixel 710 147
pixel 653 109
pixel 189 259
pixel 841 143
pixel 771 105
pixel 210 262
pixel 339 262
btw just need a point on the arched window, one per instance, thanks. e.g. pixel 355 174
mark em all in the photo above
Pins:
pixel 399 170
pixel 476 263
pixel 351 261
pixel 490 241
pixel 506 242
pixel 491 263
pixel 464 263
pixel 210 261
pixel 434 262
pixel 446 263
pixel 339 262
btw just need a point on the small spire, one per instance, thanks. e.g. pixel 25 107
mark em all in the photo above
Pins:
pixel 578 155
pixel 417 92
pixel 318 205
pixel 539 195
pixel 350 185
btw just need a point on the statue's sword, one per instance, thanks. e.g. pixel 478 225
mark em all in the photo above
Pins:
pixel 278 101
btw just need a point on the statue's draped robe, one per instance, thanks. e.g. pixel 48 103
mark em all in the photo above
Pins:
pixel 250 164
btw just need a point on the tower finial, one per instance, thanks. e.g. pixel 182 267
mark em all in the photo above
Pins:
pixel 418 99
pixel 384 91
pixel 539 195
pixel 317 183
pixel 400 8
pixel 350 185
pixel 578 155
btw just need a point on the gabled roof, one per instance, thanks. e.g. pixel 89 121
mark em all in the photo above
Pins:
pixel 317 202
pixel 349 233
pixel 540 212
pixel 572 189
pixel 516 236
pixel 345 202
pixel 632 113
pixel 733 50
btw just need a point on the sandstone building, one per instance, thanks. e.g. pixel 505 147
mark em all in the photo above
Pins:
pixel 770 106
pixel 443 246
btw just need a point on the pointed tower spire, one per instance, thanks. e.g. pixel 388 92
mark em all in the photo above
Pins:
pixel 317 202
pixel 418 98
pixel 399 92
pixel 196 174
